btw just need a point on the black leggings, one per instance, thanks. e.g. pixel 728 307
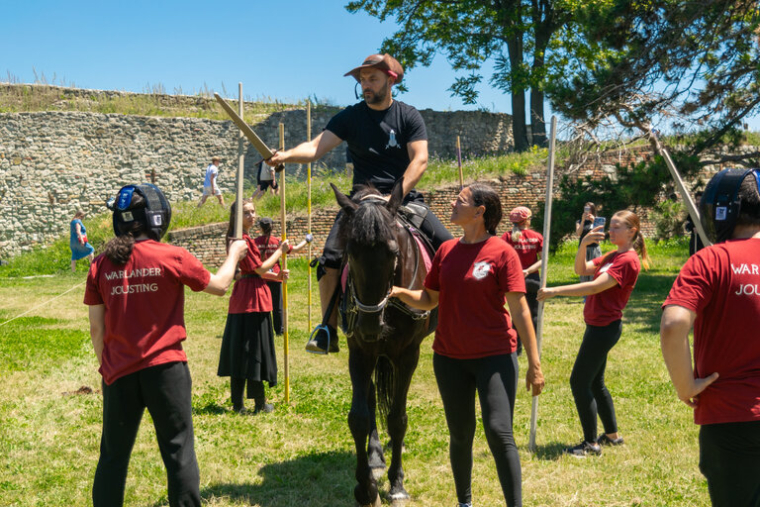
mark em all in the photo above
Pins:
pixel 495 380
pixel 587 379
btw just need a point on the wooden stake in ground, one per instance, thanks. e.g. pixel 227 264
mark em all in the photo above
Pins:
pixel 240 171
pixel 685 195
pixel 284 266
pixel 459 163
pixel 544 268
pixel 308 206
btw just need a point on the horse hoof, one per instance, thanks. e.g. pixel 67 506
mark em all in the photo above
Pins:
pixel 398 498
pixel 376 503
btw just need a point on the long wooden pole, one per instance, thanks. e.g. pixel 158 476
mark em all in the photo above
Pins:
pixel 240 171
pixel 308 205
pixel 459 163
pixel 283 225
pixel 544 268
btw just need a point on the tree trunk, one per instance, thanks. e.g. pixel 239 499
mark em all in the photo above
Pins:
pixel 519 128
pixel 537 122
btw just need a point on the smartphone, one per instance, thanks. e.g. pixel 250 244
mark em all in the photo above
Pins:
pixel 587 209
pixel 599 221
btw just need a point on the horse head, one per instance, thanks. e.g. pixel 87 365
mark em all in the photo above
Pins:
pixel 369 235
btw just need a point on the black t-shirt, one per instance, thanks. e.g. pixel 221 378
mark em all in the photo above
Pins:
pixel 377 141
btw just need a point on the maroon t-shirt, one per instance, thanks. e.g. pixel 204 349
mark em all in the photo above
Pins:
pixel 144 301
pixel 606 307
pixel 721 284
pixel 250 293
pixel 267 246
pixel 527 247
pixel 472 280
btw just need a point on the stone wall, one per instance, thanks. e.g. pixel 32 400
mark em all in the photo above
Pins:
pixel 53 163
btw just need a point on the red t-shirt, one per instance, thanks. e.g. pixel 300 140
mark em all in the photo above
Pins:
pixel 267 248
pixel 472 280
pixel 721 284
pixel 250 294
pixel 144 301
pixel 606 307
pixel 527 247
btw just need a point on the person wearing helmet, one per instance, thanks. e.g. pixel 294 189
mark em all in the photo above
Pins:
pixel 387 141
pixel 135 294
pixel 717 293
pixel 528 244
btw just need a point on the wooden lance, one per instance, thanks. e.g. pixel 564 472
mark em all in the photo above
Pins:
pixel 284 267
pixel 240 171
pixel 544 269
pixel 459 164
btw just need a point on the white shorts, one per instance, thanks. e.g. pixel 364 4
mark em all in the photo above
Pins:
pixel 210 191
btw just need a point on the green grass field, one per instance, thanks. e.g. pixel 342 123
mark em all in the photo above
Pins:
pixel 302 455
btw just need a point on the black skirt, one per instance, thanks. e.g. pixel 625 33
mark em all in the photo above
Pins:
pixel 248 348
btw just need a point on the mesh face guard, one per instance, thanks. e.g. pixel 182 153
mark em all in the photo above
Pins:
pixel 155 214
pixel 720 205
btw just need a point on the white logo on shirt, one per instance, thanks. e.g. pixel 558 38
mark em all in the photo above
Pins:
pixel 605 268
pixel 480 270
pixel 392 143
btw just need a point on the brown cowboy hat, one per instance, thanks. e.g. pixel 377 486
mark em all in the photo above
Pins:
pixel 385 63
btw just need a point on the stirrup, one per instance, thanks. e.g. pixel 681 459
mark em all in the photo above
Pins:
pixel 316 330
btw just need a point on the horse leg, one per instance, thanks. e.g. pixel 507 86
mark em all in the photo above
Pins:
pixel 374 448
pixel 406 363
pixel 360 366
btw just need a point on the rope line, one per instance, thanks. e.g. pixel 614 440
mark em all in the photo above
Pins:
pixel 43 304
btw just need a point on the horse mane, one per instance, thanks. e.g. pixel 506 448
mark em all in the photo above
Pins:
pixel 370 224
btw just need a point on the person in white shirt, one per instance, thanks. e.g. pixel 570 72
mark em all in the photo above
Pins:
pixel 210 186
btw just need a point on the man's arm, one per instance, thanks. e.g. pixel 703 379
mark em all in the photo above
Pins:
pixel 674 340
pixel 306 152
pixel 418 160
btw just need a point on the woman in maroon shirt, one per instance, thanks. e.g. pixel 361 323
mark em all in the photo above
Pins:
pixel 470 281
pixel 248 343
pixel 615 275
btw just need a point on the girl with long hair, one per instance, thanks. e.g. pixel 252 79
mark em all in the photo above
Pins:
pixel 614 277
pixel 248 353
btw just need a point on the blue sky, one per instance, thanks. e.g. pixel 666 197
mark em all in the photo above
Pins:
pixel 283 49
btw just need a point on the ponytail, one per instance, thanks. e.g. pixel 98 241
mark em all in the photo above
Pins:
pixel 516 233
pixel 119 249
pixel 641 248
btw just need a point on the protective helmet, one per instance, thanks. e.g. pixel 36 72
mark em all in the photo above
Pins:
pixel 155 213
pixel 720 205
pixel 385 63
pixel 519 214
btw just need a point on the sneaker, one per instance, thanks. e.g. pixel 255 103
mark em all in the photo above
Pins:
pixel 317 344
pixel 605 440
pixel 583 449
pixel 267 408
pixel 464 505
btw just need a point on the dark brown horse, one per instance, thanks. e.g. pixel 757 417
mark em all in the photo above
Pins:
pixel 384 335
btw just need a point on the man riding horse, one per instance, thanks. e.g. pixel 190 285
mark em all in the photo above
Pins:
pixel 387 140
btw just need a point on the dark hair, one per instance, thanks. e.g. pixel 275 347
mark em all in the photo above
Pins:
pixel 483 195
pixel 119 249
pixel 749 196
pixel 233 213
pixel 265 224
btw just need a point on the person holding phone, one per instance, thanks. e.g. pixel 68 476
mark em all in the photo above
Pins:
pixel 582 228
pixel 614 277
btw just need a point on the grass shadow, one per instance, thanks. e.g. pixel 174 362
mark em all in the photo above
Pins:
pixel 310 480
pixel 550 452
pixel 210 409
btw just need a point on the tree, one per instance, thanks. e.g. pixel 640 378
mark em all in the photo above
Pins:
pixel 693 67
pixel 515 34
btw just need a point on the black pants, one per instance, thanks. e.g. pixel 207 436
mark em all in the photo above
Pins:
pixel 729 456
pixel 495 380
pixel 587 379
pixel 165 390
pixel 431 227
pixel 532 284
pixel 276 289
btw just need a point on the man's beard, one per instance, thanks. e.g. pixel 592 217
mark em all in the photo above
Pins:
pixel 371 97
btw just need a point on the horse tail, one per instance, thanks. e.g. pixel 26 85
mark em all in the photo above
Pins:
pixel 385 380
